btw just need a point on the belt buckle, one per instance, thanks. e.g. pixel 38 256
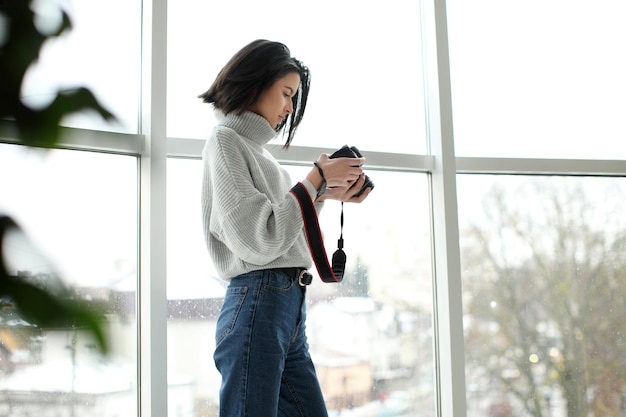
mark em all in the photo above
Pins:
pixel 305 278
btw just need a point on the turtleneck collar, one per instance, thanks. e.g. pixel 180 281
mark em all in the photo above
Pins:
pixel 249 125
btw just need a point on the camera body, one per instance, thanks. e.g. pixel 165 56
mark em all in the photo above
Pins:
pixel 352 152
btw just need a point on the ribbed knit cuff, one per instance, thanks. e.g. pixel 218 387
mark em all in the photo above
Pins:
pixel 310 188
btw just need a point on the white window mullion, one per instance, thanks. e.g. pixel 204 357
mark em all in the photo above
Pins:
pixel 152 288
pixel 448 309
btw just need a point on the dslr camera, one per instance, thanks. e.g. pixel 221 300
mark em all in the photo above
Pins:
pixel 352 152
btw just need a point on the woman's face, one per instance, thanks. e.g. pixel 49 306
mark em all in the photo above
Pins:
pixel 275 103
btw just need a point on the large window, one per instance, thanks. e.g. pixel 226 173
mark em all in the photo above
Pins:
pixel 484 271
pixel 371 336
pixel 78 215
pixel 543 267
pixel 540 255
pixel 101 51
pixel 538 79
pixel 364 57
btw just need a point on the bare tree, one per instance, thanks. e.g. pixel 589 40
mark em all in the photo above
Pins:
pixel 544 276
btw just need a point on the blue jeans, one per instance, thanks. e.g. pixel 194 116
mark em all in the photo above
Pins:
pixel 262 351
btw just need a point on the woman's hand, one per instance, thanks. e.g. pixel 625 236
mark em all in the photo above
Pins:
pixel 347 193
pixel 336 172
pixel 340 172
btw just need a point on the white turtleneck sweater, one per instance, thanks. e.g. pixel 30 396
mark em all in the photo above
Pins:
pixel 251 220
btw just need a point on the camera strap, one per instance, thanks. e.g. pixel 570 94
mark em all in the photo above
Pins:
pixel 315 240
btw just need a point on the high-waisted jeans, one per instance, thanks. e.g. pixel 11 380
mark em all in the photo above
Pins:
pixel 262 351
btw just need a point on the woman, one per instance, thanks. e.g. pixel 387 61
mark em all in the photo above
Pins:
pixel 254 232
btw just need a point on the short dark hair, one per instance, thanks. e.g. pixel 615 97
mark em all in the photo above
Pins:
pixel 252 71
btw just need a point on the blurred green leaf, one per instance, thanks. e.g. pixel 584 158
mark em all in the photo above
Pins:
pixel 48 311
pixel 22 43
pixel 44 307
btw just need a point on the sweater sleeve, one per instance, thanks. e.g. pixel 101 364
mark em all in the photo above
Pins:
pixel 248 207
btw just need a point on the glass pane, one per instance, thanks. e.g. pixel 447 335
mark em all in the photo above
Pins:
pixel 354 50
pixel 370 337
pixel 78 212
pixel 102 52
pixel 543 276
pixel 539 79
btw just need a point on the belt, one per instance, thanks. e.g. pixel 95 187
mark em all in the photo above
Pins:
pixel 300 275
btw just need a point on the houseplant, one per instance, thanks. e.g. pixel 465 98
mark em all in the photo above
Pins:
pixel 20 46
